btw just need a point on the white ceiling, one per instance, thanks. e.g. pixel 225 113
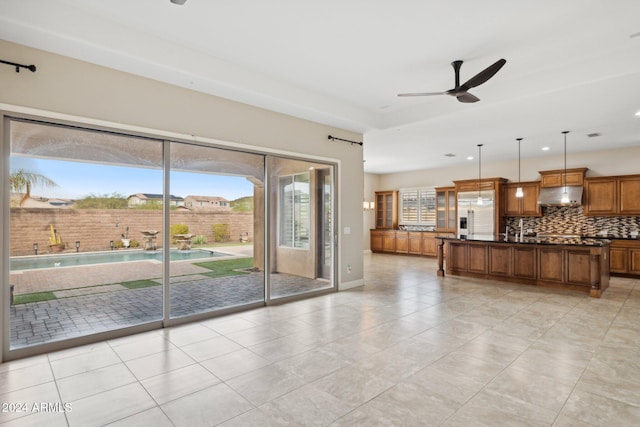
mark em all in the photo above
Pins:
pixel 571 65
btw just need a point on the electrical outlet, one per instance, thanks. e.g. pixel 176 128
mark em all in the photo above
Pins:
pixel 349 268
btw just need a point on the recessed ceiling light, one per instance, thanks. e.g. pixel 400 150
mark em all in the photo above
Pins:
pixel 469 157
pixel 449 155
pixel 593 135
pixel 638 114
pixel 546 148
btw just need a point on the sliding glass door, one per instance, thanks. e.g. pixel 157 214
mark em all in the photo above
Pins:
pixel 109 231
pixel 216 229
pixel 79 202
pixel 301 227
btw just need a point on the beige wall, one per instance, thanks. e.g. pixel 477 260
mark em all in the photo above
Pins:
pixel 600 163
pixel 64 88
pixel 94 228
pixel 68 86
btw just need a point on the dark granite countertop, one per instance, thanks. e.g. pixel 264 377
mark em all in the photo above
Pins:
pixel 574 241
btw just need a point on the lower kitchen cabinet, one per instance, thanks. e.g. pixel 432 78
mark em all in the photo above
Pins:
pixel 582 268
pixel 524 262
pixel 429 246
pixel 499 260
pixel 625 257
pixel 415 243
pixel 389 241
pixel 404 242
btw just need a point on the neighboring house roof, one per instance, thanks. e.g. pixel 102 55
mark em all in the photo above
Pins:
pixel 42 202
pixel 207 198
pixel 150 196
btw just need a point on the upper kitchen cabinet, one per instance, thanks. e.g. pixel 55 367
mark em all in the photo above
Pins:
pixel 387 209
pixel 629 195
pixel 560 177
pixel 612 195
pixel 522 206
pixel 446 205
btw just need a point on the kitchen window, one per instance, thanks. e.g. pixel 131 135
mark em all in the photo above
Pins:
pixel 418 206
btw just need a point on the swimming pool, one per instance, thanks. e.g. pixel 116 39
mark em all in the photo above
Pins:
pixel 66 260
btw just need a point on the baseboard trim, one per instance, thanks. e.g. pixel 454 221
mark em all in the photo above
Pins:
pixel 350 285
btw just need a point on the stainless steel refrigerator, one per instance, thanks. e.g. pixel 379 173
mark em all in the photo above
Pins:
pixel 476 220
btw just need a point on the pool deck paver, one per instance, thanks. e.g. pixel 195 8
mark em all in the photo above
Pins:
pixel 54 320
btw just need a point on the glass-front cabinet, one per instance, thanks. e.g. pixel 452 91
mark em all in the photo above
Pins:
pixel 387 209
pixel 446 209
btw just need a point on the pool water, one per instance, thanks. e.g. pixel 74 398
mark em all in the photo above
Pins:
pixel 66 260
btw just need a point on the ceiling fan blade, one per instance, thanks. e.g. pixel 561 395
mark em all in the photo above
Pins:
pixel 484 75
pixel 423 94
pixel 467 98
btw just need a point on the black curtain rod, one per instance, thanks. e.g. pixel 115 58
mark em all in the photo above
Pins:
pixel 18 66
pixel 345 140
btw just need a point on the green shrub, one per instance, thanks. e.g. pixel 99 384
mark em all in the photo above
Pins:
pixel 178 229
pixel 118 244
pixel 221 233
pixel 199 240
pixel 134 244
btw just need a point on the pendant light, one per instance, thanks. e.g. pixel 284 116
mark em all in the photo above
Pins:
pixel 479 173
pixel 519 192
pixel 565 193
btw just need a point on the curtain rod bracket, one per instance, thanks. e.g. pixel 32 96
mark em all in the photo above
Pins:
pixel 333 138
pixel 31 68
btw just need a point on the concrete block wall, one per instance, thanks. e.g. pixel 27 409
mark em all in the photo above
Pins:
pixel 94 228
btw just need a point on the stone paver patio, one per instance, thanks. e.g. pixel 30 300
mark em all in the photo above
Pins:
pixel 92 300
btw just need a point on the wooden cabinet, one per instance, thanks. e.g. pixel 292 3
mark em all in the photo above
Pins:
pixel 499 262
pixel 629 195
pixel 556 178
pixel 575 267
pixel 386 209
pixel 601 196
pixel 402 242
pixel 613 195
pixel 376 240
pixel 415 243
pixel 446 205
pixel 429 247
pixel 522 206
pixel 383 240
pixel 524 262
pixel 389 241
pixel 625 257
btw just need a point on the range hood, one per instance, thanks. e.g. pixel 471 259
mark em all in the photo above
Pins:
pixel 552 196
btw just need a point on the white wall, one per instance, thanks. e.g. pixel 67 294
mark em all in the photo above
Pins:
pixel 66 88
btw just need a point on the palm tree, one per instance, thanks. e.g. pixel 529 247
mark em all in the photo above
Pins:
pixel 22 180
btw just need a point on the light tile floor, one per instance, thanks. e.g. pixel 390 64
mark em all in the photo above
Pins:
pixel 407 349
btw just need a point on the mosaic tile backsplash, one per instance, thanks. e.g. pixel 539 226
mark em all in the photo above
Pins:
pixel 571 220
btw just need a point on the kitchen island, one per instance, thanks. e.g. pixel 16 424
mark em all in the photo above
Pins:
pixel 573 264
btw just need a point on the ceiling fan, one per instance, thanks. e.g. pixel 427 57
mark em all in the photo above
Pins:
pixel 461 91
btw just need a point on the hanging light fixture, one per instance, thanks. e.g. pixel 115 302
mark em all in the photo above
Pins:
pixel 565 193
pixel 519 192
pixel 479 173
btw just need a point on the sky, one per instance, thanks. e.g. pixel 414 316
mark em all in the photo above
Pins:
pixel 76 180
